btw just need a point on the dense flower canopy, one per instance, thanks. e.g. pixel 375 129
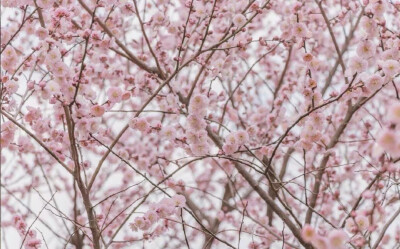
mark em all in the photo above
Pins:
pixel 200 124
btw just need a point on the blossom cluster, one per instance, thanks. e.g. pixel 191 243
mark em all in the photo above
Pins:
pixel 30 236
pixel 389 138
pixel 260 115
pixel 234 140
pixel 196 134
pixel 161 210
pixel 334 239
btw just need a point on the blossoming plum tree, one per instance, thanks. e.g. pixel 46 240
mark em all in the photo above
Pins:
pixel 200 124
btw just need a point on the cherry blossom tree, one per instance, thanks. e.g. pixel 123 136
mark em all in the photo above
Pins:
pixel 200 124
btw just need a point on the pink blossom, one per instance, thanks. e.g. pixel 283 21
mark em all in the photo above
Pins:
pixel 169 132
pixel 200 9
pixel 52 87
pixel 5 36
pixel 179 200
pixel 374 82
pixel 390 54
pixel 387 139
pixel 114 94
pixel 9 52
pixel 53 56
pixel 239 20
pixel 231 139
pixel 320 242
pixel 9 59
pixel 198 105
pixel 308 233
pixel 97 110
pixel 368 25
pixel 42 33
pixel 151 216
pixel 165 208
pixel 32 114
pixel 241 137
pixel 61 12
pixel 45 3
pixel 194 137
pixel 378 8
pixel 394 113
pixel 391 68
pixel 253 245
pixel 337 239
pixel 142 223
pixel 300 30
pixel 33 243
pixel 357 65
pixel 362 222
pixel 307 57
pixel 359 241
pixel 366 49
pixel 251 131
pixel 158 18
pixel 60 69
pixel 229 149
pixel 125 96
pixel 195 123
pixel 11 86
pixel 199 149
pixel 140 124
